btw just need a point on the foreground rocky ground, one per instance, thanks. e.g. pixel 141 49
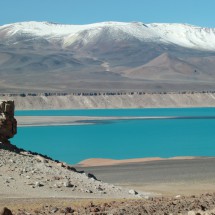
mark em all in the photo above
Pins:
pixel 34 184
pixel 194 205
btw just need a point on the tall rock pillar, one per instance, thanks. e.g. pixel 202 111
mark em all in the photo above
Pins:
pixel 8 124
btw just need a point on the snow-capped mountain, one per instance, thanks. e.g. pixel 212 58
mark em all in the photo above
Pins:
pixel 46 56
pixel 178 34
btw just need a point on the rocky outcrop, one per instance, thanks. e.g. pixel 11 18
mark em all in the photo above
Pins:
pixel 5 211
pixel 8 124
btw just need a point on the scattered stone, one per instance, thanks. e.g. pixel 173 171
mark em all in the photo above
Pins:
pixel 132 192
pixel 24 170
pixel 68 184
pixel 41 159
pixel 57 178
pixel 68 210
pixel 191 213
pixel 54 210
pixel 38 184
pixel 57 185
pixel 100 188
pixel 60 164
pixel 71 168
pixel 95 210
pixel 88 191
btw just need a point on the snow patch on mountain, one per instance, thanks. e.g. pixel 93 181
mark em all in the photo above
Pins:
pixel 175 34
pixel 186 35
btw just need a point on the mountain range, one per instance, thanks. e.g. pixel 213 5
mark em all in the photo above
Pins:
pixel 108 56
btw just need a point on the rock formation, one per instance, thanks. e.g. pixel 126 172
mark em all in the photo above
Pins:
pixel 8 124
pixel 5 211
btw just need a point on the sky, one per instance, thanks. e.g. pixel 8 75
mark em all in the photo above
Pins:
pixel 195 12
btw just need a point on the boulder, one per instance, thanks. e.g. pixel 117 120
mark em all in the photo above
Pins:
pixel 5 211
pixel 8 124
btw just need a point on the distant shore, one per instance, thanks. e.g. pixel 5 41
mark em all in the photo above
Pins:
pixel 111 100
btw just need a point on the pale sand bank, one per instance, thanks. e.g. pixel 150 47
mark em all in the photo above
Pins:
pixel 110 162
pixel 69 120
pixel 24 121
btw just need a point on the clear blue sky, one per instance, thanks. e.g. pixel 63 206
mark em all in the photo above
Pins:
pixel 196 12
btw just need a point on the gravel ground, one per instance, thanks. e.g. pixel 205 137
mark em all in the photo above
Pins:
pixel 23 174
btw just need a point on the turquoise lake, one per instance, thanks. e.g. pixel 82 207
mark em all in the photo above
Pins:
pixel 122 139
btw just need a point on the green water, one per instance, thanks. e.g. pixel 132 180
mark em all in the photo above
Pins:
pixel 122 139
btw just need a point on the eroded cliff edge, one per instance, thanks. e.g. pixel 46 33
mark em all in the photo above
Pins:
pixel 111 100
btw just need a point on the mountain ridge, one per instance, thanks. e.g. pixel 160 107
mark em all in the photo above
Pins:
pixel 49 57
